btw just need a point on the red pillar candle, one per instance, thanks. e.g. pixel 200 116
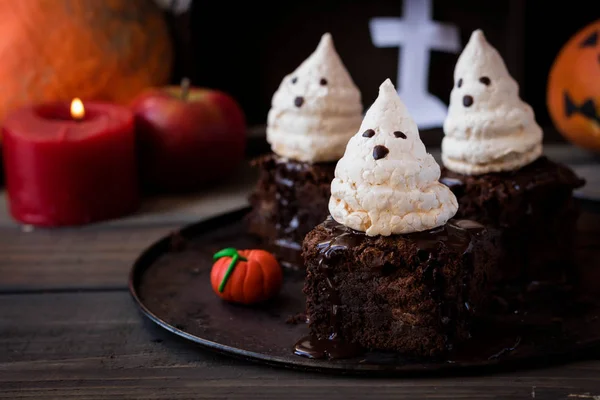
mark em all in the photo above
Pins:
pixel 63 168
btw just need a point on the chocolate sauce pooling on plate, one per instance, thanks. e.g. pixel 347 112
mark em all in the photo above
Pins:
pixel 333 348
pixel 455 235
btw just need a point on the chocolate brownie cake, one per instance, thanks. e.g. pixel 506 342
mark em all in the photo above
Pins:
pixel 415 293
pixel 391 269
pixel 493 162
pixel 289 200
pixel 314 112
pixel 534 208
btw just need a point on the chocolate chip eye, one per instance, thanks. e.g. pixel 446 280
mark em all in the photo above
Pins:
pixel 485 80
pixel 369 133
pixel 459 84
pixel 294 80
pixel 323 82
pixel 400 134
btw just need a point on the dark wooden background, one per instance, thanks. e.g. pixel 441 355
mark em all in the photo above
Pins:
pixel 245 48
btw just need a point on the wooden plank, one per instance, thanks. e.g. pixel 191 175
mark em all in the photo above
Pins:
pixel 97 346
pixel 72 259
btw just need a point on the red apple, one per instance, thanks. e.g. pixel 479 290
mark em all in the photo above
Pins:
pixel 188 136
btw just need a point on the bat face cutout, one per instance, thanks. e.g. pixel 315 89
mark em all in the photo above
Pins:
pixel 590 41
pixel 586 109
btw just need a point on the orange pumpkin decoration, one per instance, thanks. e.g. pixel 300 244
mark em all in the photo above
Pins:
pixel 97 50
pixel 245 276
pixel 573 95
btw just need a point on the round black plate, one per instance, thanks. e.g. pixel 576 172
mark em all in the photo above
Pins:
pixel 170 282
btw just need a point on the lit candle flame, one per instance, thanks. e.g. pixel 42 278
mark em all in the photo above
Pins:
pixel 77 109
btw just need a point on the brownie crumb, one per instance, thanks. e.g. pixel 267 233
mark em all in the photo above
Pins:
pixel 177 242
pixel 299 318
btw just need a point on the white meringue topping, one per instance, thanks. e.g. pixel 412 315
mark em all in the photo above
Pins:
pixel 488 127
pixel 386 182
pixel 316 109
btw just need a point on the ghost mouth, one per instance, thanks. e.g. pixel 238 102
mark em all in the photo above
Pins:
pixel 467 100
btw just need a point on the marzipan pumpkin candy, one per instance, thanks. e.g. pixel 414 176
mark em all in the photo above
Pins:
pixel 245 276
pixel 573 95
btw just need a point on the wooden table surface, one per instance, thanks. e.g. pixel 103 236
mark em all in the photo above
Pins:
pixel 69 329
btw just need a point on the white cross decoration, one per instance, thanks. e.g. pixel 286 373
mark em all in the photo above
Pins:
pixel 416 34
pixel 175 6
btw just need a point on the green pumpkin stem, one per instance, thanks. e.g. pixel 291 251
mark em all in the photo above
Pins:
pixel 228 252
pixel 235 257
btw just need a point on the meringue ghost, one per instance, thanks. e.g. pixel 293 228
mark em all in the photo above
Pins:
pixel 386 183
pixel 316 108
pixel 488 127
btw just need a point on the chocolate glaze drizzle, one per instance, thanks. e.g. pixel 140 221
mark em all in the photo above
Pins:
pixel 540 172
pixel 293 218
pixel 332 347
pixel 286 179
pixel 456 234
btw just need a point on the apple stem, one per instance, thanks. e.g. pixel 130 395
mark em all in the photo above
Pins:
pixel 185 88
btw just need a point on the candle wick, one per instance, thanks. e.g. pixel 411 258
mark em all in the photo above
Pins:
pixel 185 88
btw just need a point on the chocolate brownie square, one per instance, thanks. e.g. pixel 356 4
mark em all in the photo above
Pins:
pixel 415 293
pixel 290 199
pixel 535 210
